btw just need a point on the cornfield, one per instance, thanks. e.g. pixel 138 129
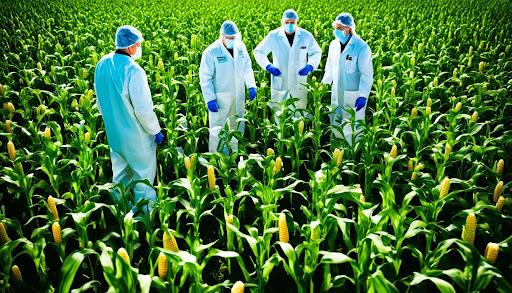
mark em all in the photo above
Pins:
pixel 422 202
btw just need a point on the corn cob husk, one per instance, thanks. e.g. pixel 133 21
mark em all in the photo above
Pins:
pixel 414 176
pixel 445 186
pixel 339 158
pixel 436 81
pixel 394 151
pixel 9 107
pixel 447 150
pixel 4 238
pixel 270 152
pixel 47 132
pixel 410 165
pixel 500 203
pixel 500 166
pixel 8 126
pixel 170 242
pixel 211 178
pixel 497 191
pixel 428 110
pixel 301 127
pixel 87 137
pixel 277 166
pixel 162 265
pixel 393 92
pixel 283 229
pixel 123 254
pixel 414 112
pixel 481 66
pixel 18 168
pixel 57 236
pixel 491 252
pixel 53 207
pixel 188 164
pixel 474 117
pixel 238 287
pixel 193 160
pixel 470 229
pixel 11 150
pixel 429 102
pixel 17 273
pixel 458 106
pixel 335 155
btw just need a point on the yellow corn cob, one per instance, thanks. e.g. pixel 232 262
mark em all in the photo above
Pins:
pixel 211 178
pixel 47 132
pixel 340 158
pixel 500 204
pixel 481 66
pixel 497 191
pixel 429 102
pixel 414 176
pixel 447 150
pixel 394 151
pixel 419 167
pixel 445 186
pixel 277 166
pixel 428 110
pixel 470 229
pixel 170 242
pixel 193 160
pixel 501 165
pixel 188 165
pixel 458 107
pixel 229 219
pixel 86 202
pixel 19 168
pixel 162 265
pixel 362 199
pixel 414 112
pixel 87 137
pixel 238 287
pixel 436 81
pixel 484 88
pixel 124 255
pixel 160 65
pixel 335 155
pixel 474 116
pixel 4 238
pixel 301 127
pixel 9 107
pixel 410 165
pixel 89 94
pixel 53 207
pixel 57 236
pixel 283 229
pixel 270 152
pixel 491 252
pixel 11 150
pixel 17 273
pixel 8 126
pixel 413 61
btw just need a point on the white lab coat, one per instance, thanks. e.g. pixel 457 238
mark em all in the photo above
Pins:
pixel 289 60
pixel 124 100
pixel 350 79
pixel 222 78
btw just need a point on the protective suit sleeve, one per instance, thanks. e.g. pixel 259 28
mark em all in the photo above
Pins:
pixel 140 97
pixel 327 79
pixel 248 72
pixel 261 52
pixel 366 69
pixel 206 72
pixel 314 53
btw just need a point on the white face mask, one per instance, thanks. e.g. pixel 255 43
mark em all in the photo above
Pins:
pixel 138 53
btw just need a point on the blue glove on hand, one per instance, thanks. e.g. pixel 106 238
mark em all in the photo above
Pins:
pixel 306 70
pixel 274 71
pixel 159 137
pixel 360 102
pixel 252 93
pixel 213 106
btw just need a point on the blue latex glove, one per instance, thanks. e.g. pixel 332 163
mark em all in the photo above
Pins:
pixel 252 93
pixel 274 71
pixel 159 137
pixel 360 102
pixel 213 106
pixel 306 70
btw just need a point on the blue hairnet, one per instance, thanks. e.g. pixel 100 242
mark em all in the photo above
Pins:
pixel 126 36
pixel 345 19
pixel 290 14
pixel 229 28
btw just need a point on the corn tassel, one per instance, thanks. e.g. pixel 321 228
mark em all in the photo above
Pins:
pixel 162 265
pixel 470 229
pixel 211 178
pixel 11 150
pixel 277 166
pixel 4 238
pixel 491 252
pixel 17 273
pixel 445 186
pixel 53 207
pixel 238 287
pixel 123 254
pixel 500 204
pixel 57 236
pixel 497 191
pixel 283 229
pixel 394 151
pixel 170 241
pixel 501 165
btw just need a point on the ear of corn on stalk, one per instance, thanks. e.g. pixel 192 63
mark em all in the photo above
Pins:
pixel 162 265
pixel 500 203
pixel 497 191
pixel 283 229
pixel 19 168
pixel 193 160
pixel 270 152
pixel 410 165
pixel 500 166
pixel 238 287
pixel 429 102
pixel 53 207
pixel 87 137
pixel 301 127
pixel 491 252
pixel 436 81
pixel 11 150
pixel 170 242
pixel 428 110
pixel 8 126
pixel 394 151
pixel 123 254
pixel 414 112
pixel 445 186
pixel 211 178
pixel 4 238
pixel 447 150
pixel 17 273
pixel 188 164
pixel 339 158
pixel 277 166
pixel 470 229
pixel 458 106
pixel 9 107
pixel 47 132
pixel 474 117
pixel 57 236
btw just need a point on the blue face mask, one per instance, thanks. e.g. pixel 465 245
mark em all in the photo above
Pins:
pixel 230 43
pixel 289 27
pixel 341 36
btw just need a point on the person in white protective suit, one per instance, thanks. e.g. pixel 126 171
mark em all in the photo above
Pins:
pixel 124 101
pixel 349 69
pixel 295 53
pixel 225 68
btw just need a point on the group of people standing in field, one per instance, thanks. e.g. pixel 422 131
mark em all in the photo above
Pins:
pixel 132 128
